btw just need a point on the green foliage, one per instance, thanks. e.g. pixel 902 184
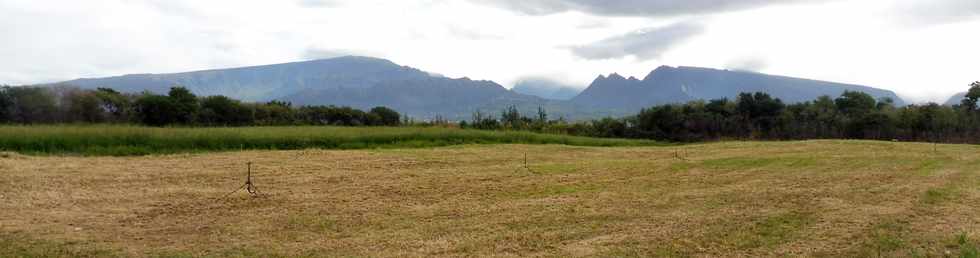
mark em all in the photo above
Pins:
pixel 31 105
pixel 757 115
pixel 180 107
pixel 760 111
pixel 969 101
pixel 751 116
pixel 224 111
pixel 6 104
pixel 17 245
pixel 132 140
pixel 386 116
pixel 855 104
pixel 116 105
pixel 157 110
pixel 185 105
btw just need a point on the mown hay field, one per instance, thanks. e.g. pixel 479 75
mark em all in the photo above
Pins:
pixel 809 198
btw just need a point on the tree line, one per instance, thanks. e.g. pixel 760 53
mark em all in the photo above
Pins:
pixel 852 115
pixel 62 104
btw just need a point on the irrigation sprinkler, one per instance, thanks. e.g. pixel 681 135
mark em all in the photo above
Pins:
pixel 526 166
pixel 248 186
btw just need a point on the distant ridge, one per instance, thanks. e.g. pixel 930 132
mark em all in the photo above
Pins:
pixel 360 82
pixel 955 99
pixel 667 84
pixel 265 82
pixel 366 82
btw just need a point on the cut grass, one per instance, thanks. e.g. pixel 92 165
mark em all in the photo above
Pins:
pixel 18 245
pixel 732 199
pixel 120 140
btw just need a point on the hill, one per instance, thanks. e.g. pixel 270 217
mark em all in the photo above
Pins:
pixel 359 82
pixel 681 84
pixel 955 99
pixel 365 82
pixel 267 82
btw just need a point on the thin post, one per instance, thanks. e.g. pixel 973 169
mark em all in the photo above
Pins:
pixel 525 159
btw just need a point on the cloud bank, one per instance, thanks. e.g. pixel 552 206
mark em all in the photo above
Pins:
pixel 644 44
pixel 645 8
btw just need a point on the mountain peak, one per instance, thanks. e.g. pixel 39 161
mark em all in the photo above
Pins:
pixel 660 69
pixel 666 84
pixel 351 58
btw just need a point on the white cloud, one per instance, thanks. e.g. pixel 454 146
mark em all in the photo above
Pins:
pixel 49 40
pixel 933 12
pixel 649 43
pixel 646 8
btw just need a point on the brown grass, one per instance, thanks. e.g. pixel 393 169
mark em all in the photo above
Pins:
pixel 814 198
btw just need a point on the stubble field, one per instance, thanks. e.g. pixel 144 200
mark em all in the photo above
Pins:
pixel 810 198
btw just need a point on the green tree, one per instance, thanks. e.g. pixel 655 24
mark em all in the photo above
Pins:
pixel 31 105
pixel 855 104
pixel 857 107
pixel 221 110
pixel 970 100
pixel 759 110
pixel 116 104
pixel 83 106
pixel 387 116
pixel 157 110
pixel 185 103
pixel 6 105
pixel 511 118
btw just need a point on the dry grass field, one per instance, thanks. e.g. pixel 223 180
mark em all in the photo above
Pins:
pixel 812 198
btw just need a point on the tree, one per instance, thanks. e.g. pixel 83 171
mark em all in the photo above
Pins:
pixel 31 105
pixel 83 106
pixel 855 104
pixel 115 104
pixel 157 110
pixel 970 100
pixel 221 110
pixel 856 107
pixel 275 113
pixel 759 111
pixel 609 127
pixel 387 116
pixel 6 105
pixel 511 118
pixel 185 104
pixel 484 121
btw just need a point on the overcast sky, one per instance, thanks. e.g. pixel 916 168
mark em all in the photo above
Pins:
pixel 925 50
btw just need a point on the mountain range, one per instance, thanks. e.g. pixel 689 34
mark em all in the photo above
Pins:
pixel 956 99
pixel 365 82
pixel 667 84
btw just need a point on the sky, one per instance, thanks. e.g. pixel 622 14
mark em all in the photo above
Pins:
pixel 925 50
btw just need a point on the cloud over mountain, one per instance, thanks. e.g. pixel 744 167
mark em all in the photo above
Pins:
pixel 644 44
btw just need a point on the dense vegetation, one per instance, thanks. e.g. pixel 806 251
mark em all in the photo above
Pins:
pixel 46 105
pixel 121 140
pixel 853 115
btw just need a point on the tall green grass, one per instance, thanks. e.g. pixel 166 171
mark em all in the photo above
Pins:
pixel 119 140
